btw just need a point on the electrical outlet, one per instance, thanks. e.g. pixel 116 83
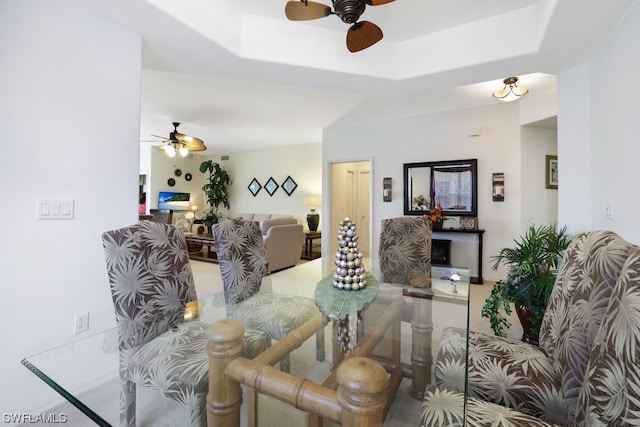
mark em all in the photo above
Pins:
pixel 81 322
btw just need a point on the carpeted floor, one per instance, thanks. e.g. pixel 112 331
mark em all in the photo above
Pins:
pixel 155 410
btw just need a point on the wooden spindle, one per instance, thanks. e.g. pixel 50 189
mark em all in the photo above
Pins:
pixel 361 392
pixel 225 395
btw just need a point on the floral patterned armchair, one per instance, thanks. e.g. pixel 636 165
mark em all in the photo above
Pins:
pixel 243 264
pixel 405 251
pixel 151 283
pixel 585 371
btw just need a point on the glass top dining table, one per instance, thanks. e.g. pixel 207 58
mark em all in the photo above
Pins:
pixel 85 371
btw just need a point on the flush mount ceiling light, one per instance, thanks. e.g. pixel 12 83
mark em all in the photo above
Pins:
pixel 181 144
pixel 511 91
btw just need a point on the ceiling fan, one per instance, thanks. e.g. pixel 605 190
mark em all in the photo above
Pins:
pixel 361 34
pixel 180 143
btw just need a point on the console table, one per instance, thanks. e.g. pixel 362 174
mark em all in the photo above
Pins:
pixel 480 233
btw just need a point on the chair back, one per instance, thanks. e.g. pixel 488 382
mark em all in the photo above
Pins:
pixel 164 216
pixel 611 395
pixel 150 278
pixel 584 283
pixel 241 256
pixel 405 251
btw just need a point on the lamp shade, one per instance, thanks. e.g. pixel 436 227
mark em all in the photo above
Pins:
pixel 313 201
pixel 170 150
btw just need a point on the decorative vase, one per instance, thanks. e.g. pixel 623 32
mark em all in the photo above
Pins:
pixel 526 320
pixel 437 225
pixel 313 220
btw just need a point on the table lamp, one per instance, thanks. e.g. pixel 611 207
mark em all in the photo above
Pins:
pixel 313 217
pixel 454 281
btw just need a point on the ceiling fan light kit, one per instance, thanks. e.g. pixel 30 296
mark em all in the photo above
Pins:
pixel 511 91
pixel 181 144
pixel 361 34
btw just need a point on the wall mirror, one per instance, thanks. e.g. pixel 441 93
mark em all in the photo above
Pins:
pixel 452 183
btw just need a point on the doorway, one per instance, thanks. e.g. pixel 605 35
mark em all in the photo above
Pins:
pixel 351 197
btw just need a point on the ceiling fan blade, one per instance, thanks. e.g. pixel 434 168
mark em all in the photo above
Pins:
pixel 200 147
pixel 378 2
pixel 362 35
pixel 301 11
pixel 189 146
pixel 161 137
pixel 186 139
pixel 192 143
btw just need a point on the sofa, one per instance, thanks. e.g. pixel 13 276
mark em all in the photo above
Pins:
pixel 586 371
pixel 283 239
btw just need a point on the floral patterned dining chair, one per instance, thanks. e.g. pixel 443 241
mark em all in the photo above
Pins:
pixel 151 283
pixel 545 381
pixel 405 251
pixel 243 264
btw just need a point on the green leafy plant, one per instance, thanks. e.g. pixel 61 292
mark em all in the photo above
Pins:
pixel 215 190
pixel 531 273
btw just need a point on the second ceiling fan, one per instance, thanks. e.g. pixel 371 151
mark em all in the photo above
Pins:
pixel 180 143
pixel 361 34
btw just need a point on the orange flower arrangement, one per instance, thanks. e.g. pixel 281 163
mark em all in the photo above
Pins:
pixel 435 215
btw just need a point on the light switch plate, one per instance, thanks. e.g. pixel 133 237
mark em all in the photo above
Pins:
pixel 609 210
pixel 55 209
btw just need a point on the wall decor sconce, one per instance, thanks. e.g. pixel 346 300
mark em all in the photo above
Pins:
pixel 386 189
pixel 498 187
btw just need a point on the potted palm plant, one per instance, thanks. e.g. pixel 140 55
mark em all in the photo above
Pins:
pixel 531 273
pixel 215 191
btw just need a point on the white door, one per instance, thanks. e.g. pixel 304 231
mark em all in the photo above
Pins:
pixel 362 209
pixel 350 188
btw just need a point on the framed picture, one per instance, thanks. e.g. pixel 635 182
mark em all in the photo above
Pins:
pixel 468 222
pixel 271 186
pixel 289 186
pixel 254 187
pixel 551 172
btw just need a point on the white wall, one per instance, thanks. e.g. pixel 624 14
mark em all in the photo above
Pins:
pixel 440 136
pixel 575 150
pixel 597 135
pixel 302 162
pixel 70 129
pixel 539 204
pixel 164 168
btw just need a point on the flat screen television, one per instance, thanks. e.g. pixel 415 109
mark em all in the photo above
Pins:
pixel 172 200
